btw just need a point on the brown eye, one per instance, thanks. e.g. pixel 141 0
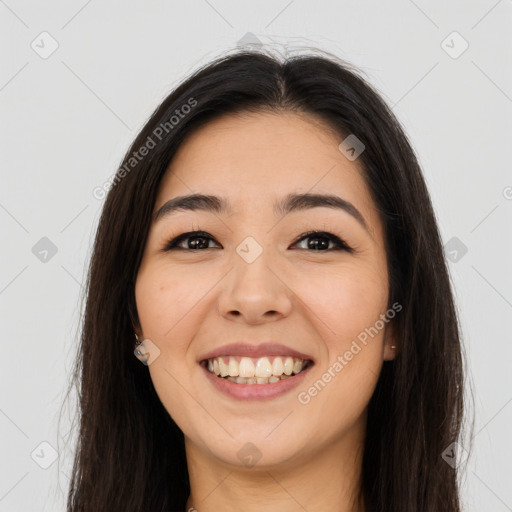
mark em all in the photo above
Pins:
pixel 320 240
pixel 197 240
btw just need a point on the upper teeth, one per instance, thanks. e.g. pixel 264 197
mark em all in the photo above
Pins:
pixel 248 367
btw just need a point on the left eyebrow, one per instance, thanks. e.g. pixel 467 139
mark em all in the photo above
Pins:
pixel 301 202
pixel 290 203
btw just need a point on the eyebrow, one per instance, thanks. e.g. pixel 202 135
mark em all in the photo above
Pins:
pixel 290 203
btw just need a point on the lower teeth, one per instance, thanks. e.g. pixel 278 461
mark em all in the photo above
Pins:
pixel 257 380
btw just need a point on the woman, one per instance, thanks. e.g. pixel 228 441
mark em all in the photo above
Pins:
pixel 268 250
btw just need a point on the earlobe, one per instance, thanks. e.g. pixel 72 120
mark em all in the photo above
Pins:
pixel 390 352
pixel 134 317
pixel 137 329
pixel 137 335
pixel 390 344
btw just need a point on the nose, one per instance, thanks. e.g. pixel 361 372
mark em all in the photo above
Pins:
pixel 254 292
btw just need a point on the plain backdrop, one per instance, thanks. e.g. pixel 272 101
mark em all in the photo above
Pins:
pixel 78 80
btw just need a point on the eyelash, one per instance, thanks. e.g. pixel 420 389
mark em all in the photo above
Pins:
pixel 340 245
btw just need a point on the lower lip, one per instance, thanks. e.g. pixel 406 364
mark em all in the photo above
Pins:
pixel 255 391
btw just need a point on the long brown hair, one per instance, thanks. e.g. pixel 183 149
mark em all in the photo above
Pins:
pixel 130 454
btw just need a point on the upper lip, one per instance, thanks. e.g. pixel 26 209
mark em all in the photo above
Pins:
pixel 250 350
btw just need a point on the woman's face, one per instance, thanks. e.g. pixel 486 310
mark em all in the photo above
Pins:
pixel 254 277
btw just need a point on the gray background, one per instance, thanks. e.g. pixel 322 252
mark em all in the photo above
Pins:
pixel 67 120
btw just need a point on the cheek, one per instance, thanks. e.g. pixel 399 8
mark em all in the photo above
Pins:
pixel 345 308
pixel 345 302
pixel 165 305
pixel 166 302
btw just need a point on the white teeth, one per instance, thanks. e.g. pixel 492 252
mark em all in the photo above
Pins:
pixel 263 368
pixel 223 367
pixel 255 371
pixel 288 366
pixel 246 367
pixel 277 367
pixel 233 367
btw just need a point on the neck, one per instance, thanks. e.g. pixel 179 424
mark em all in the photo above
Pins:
pixel 331 480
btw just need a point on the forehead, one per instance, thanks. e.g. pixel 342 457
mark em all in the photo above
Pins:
pixel 254 158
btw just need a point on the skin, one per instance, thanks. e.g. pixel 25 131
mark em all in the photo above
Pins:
pixel 316 301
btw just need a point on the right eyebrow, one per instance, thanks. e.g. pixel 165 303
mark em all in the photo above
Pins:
pixel 193 202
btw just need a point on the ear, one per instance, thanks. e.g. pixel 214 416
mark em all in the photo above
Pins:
pixel 138 331
pixel 135 319
pixel 390 348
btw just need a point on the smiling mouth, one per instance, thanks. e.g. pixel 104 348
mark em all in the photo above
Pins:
pixel 250 370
